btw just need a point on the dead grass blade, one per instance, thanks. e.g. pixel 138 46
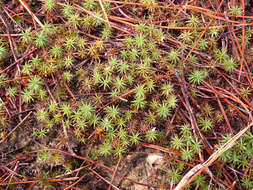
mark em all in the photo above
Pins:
pixel 198 169
pixel 31 13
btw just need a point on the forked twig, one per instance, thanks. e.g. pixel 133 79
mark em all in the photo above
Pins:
pixel 104 179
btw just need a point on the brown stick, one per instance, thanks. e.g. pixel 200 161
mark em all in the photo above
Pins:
pixel 20 123
pixel 114 173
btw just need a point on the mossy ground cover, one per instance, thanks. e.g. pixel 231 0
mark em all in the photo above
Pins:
pixel 87 81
